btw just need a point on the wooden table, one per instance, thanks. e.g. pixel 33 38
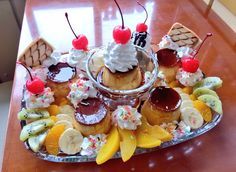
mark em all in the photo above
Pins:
pixel 213 151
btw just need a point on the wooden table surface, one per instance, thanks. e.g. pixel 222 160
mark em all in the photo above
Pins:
pixel 213 151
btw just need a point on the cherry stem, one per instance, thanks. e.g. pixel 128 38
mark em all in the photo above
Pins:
pixel 123 24
pixel 67 18
pixel 31 77
pixel 207 35
pixel 144 10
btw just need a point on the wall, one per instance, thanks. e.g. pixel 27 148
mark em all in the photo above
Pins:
pixel 9 36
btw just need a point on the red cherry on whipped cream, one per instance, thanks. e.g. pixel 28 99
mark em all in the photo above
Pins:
pixel 34 85
pixel 80 42
pixel 142 27
pixel 121 34
pixel 190 64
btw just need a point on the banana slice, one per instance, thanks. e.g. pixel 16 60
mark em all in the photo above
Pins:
pixel 212 102
pixel 186 103
pixel 201 91
pixel 192 117
pixel 36 142
pixel 65 117
pixel 67 109
pixel 67 124
pixel 184 96
pixel 70 141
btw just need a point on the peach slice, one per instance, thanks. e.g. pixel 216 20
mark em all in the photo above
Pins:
pixel 203 109
pixel 145 140
pixel 127 143
pixel 188 90
pixel 110 148
pixel 154 130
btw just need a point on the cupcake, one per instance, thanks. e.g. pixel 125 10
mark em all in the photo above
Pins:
pixel 162 106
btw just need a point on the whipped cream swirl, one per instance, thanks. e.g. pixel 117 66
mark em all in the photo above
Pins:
pixel 41 73
pixel 166 42
pixel 120 57
pixel 80 90
pixel 41 100
pixel 53 59
pixel 126 117
pixel 187 78
pixel 77 58
pixel 92 144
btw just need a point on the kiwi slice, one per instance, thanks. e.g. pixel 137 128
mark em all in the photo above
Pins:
pixel 34 128
pixel 212 102
pixel 209 82
pixel 33 114
pixel 202 90
pixel 36 142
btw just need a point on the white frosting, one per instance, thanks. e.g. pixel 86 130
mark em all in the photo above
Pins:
pixel 41 73
pixel 166 42
pixel 80 90
pixel 184 51
pixel 53 59
pixel 92 144
pixel 41 100
pixel 77 58
pixel 187 78
pixel 126 117
pixel 120 57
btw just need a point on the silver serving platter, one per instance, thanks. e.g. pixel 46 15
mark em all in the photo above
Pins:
pixel 61 157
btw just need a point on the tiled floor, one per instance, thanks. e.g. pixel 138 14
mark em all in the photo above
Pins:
pixel 5 94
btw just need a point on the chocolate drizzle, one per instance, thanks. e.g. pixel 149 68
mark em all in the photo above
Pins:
pixel 61 72
pixel 165 99
pixel 91 111
pixel 167 57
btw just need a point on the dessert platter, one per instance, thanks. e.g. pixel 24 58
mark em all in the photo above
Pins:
pixel 119 100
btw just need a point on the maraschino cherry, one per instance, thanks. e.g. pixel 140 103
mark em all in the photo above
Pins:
pixel 121 34
pixel 34 85
pixel 142 27
pixel 80 42
pixel 190 63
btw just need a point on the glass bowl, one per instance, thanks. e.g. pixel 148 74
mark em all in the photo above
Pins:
pixel 113 98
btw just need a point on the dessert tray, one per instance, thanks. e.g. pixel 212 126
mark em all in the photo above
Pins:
pixel 125 99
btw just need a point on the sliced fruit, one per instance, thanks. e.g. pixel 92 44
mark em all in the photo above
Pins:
pixel 110 147
pixel 36 142
pixel 32 114
pixel 127 143
pixel 188 90
pixel 64 122
pixel 203 109
pixel 52 139
pixel 209 82
pixel 212 102
pixel 144 140
pixel 67 109
pixel 70 141
pixel 184 96
pixel 178 89
pixel 202 90
pixel 54 118
pixel 192 97
pixel 65 117
pixel 34 128
pixel 186 103
pixel 153 130
pixel 191 117
pixel 53 110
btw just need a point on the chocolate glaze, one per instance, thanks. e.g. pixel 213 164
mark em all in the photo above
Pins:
pixel 165 99
pixel 167 57
pixel 61 72
pixel 91 111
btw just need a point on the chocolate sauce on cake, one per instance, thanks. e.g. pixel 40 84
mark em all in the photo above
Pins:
pixel 91 111
pixel 61 72
pixel 165 99
pixel 167 57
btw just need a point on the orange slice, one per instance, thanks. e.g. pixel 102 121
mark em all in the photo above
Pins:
pixel 203 109
pixel 52 139
pixel 53 110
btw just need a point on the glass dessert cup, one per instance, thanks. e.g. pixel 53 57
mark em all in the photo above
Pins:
pixel 113 98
